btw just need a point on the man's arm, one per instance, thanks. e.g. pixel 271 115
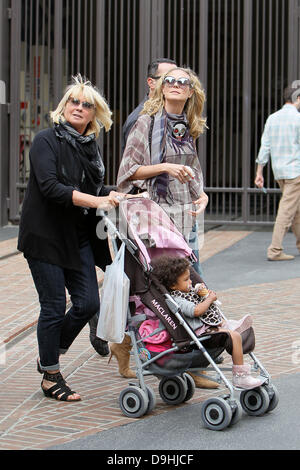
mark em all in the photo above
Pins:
pixel 263 156
pixel 259 179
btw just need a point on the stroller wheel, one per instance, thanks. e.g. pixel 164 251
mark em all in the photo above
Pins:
pixel 216 413
pixel 152 399
pixel 255 402
pixel 190 386
pixel 173 390
pixel 273 395
pixel 133 402
pixel 237 413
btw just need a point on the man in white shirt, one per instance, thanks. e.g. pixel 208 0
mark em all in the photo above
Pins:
pixel 281 142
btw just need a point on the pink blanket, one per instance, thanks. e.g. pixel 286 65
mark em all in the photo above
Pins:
pixel 147 327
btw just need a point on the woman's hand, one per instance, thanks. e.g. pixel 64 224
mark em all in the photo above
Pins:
pixel 201 204
pixel 98 202
pixel 181 172
pixel 112 200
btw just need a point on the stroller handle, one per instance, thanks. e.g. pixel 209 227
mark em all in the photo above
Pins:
pixel 114 232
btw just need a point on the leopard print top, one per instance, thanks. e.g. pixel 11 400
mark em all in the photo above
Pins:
pixel 211 317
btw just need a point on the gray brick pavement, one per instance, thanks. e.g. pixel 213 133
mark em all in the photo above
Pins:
pixel 28 420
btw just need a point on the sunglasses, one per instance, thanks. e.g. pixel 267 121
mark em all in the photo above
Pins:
pixel 182 82
pixel 85 104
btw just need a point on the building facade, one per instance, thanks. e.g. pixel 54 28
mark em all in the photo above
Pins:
pixel 244 51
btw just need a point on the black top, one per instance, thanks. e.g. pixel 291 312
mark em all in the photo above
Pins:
pixel 51 226
pixel 130 121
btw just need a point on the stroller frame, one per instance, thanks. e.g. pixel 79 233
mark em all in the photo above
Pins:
pixel 217 413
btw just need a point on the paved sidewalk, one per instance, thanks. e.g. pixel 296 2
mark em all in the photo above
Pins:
pixel 28 420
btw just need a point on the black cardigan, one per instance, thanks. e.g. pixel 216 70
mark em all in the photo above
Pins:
pixel 48 226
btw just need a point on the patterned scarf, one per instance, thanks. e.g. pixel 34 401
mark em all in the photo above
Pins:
pixel 158 148
pixel 163 130
pixel 79 163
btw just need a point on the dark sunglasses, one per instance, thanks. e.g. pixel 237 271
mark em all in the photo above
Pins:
pixel 85 104
pixel 182 82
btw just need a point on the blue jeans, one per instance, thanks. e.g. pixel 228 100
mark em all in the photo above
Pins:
pixel 193 243
pixel 56 329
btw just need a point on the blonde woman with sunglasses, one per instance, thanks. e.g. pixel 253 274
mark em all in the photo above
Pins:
pixel 160 156
pixel 167 164
pixel 57 229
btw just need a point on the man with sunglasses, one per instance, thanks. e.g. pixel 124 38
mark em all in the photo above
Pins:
pixel 156 68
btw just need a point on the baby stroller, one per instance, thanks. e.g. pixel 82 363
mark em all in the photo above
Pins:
pixel 147 232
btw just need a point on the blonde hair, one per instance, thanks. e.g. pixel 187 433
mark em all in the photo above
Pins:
pixel 193 107
pixel 102 115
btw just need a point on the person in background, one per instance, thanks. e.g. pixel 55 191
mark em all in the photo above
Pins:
pixel 281 142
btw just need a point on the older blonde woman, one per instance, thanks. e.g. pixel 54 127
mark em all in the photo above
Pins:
pixel 64 189
pixel 160 157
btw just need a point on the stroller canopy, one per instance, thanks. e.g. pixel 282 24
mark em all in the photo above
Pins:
pixel 149 226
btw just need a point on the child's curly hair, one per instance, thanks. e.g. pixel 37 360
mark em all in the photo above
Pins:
pixel 167 269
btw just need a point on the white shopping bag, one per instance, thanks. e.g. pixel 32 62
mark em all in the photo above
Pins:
pixel 114 301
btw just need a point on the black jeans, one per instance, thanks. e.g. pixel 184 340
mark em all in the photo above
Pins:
pixel 56 329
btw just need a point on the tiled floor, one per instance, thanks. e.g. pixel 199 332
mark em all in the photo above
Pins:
pixel 28 420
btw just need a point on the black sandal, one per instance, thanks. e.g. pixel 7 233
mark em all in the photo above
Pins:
pixel 60 391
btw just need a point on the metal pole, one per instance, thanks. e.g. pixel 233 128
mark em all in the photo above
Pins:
pixel 4 81
pixel 100 60
pixel 246 125
pixel 157 29
pixel 14 131
pixel 151 38
pixel 57 53
pixel 145 45
pixel 202 72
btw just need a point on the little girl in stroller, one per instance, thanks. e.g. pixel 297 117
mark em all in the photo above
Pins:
pixel 203 314
pixel 148 233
